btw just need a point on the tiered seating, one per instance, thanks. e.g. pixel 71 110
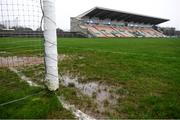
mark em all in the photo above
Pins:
pixel 94 31
pixel 122 32
pixel 106 30
pixel 150 32
pixel 145 32
pixel 158 34
pixel 128 31
pixel 116 31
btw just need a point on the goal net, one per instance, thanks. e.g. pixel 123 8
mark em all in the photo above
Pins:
pixel 20 15
pixel 28 38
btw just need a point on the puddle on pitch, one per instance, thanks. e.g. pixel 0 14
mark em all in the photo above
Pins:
pixel 99 92
pixel 19 61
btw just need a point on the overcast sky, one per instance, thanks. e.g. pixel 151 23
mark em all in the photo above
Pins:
pixel 169 9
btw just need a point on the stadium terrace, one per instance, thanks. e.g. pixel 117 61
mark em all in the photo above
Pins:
pixel 103 22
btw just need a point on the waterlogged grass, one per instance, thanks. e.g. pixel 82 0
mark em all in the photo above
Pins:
pixel 144 71
pixel 36 73
pixel 80 101
pixel 41 105
pixel 70 94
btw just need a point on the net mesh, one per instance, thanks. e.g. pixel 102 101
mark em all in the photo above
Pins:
pixel 24 14
pixel 21 36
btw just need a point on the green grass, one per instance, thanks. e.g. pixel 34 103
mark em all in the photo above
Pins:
pixel 148 69
pixel 21 46
pixel 42 105
pixel 145 71
pixel 70 94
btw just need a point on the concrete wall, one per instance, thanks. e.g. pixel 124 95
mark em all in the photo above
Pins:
pixel 75 26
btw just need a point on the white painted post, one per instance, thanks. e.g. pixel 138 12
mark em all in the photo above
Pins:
pixel 50 45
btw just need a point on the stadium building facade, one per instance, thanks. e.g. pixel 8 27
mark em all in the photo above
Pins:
pixel 103 22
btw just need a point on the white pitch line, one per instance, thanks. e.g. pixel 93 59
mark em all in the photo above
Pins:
pixel 24 78
pixel 78 113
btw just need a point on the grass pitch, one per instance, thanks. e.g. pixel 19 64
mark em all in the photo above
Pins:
pixel 145 71
pixel 42 105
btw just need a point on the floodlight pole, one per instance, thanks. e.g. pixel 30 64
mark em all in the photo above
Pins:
pixel 50 45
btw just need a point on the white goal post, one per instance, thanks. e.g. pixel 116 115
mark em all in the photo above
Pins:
pixel 50 45
pixel 24 19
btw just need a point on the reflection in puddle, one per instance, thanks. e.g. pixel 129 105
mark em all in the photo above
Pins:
pixel 100 92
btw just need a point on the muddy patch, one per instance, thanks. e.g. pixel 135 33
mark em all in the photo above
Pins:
pixel 16 61
pixel 101 93
pixel 3 52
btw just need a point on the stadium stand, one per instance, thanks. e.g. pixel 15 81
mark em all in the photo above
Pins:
pixel 103 22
